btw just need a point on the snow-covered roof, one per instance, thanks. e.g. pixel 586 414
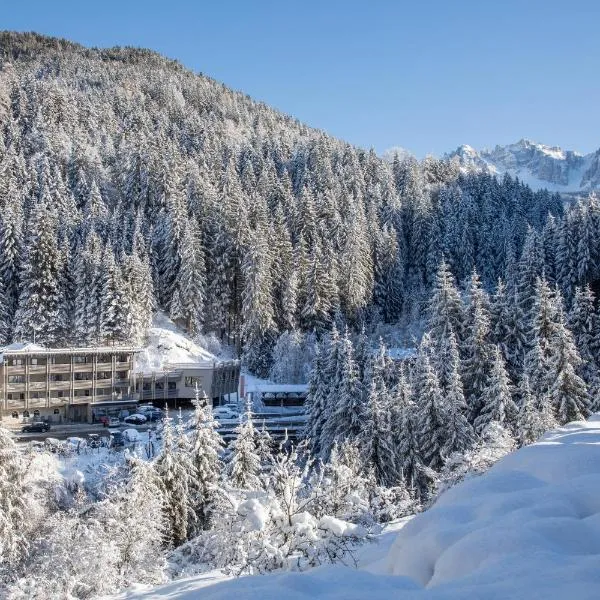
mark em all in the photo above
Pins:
pixel 29 348
pixel 22 347
pixel 273 388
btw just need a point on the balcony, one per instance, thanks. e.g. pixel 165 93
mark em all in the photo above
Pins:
pixel 124 366
pixel 37 385
pixel 83 367
pixel 104 366
pixel 60 368
pixel 84 384
pixel 37 369
pixel 15 369
pixel 60 385
pixel 15 387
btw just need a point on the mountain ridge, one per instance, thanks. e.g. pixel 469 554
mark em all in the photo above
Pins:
pixel 538 165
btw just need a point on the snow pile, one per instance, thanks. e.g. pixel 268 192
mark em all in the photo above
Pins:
pixel 167 344
pixel 529 528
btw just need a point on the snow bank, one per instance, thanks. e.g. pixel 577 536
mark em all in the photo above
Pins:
pixel 168 344
pixel 527 529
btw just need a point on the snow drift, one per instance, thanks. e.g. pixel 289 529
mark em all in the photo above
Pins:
pixel 528 528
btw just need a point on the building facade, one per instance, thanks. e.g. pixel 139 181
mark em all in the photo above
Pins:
pixel 63 384
pixel 215 380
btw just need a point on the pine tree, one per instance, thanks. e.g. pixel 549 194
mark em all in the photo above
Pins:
pixel 535 415
pixel 477 349
pixel 39 302
pixel 13 503
pixel 205 447
pixel 346 397
pixel 568 392
pixel 459 432
pixel 245 466
pixel 178 485
pixel 496 400
pixel 431 415
pixel 191 279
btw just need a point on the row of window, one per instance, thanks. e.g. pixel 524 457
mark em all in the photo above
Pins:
pixel 60 394
pixel 19 362
pixel 67 377
pixel 27 414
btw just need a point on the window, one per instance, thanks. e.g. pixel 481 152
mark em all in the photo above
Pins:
pixel 26 413
pixel 34 361
pixel 16 379
pixel 56 411
pixel 147 386
pixel 34 395
pixel 172 385
pixel 192 381
pixel 9 396
pixel 80 359
pixel 16 362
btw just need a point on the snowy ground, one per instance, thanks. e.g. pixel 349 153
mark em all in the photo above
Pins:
pixel 527 529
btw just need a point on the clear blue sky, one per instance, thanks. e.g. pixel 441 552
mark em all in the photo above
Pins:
pixel 426 75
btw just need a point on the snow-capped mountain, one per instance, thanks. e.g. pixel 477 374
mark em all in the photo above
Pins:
pixel 537 165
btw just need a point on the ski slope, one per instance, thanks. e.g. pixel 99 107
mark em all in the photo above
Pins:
pixel 529 528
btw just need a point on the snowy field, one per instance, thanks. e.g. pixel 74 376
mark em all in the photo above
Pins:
pixel 527 529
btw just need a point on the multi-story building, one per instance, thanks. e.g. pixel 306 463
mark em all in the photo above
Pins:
pixel 215 380
pixel 65 384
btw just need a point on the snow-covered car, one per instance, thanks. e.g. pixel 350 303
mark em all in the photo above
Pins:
pixel 131 435
pixel 76 444
pixel 53 445
pixel 136 419
pixel 221 413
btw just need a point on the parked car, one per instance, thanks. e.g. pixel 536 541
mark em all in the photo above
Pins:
pixel 53 445
pixel 117 440
pixel 154 415
pixel 131 435
pixel 38 427
pixel 113 422
pixel 136 419
pixel 221 413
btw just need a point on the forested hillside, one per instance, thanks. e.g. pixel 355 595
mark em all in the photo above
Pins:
pixel 128 182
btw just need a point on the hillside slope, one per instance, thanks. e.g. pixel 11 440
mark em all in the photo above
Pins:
pixel 528 528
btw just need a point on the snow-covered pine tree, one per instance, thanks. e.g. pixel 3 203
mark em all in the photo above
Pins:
pixel 496 400
pixel 445 309
pixel 431 413
pixel 476 347
pixel 346 418
pixel 568 392
pixel 535 415
pixel 376 440
pixel 191 279
pixel 459 432
pixel 245 465
pixel 39 301
pixel 205 447
pixel 14 529
pixel 178 488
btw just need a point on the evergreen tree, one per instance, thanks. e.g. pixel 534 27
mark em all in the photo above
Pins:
pixel 496 400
